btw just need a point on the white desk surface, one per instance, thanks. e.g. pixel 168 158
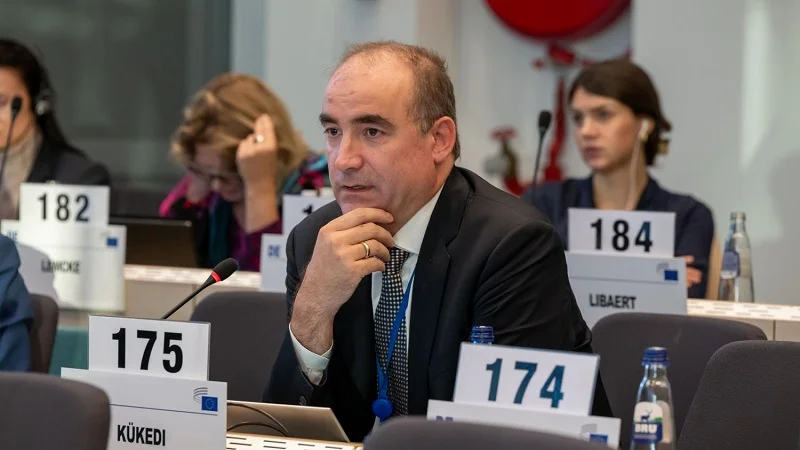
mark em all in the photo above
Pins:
pixel 152 290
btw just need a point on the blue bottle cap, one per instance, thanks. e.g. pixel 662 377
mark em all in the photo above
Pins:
pixel 382 408
pixel 482 334
pixel 655 355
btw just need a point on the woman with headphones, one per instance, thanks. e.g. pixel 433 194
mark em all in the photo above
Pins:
pixel 33 147
pixel 618 126
pixel 242 155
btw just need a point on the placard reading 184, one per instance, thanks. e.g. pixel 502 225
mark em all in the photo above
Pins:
pixel 630 232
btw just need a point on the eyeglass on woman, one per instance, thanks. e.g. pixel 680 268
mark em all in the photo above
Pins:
pixel 223 177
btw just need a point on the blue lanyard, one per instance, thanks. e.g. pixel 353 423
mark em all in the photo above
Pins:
pixel 382 406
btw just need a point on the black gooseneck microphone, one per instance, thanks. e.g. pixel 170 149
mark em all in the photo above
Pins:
pixel 221 272
pixel 545 117
pixel 16 106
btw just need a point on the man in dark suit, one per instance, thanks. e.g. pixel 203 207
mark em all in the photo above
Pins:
pixel 384 284
pixel 16 315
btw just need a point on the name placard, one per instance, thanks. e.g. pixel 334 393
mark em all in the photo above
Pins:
pixel 298 207
pixel 608 284
pixel 603 430
pixel 273 263
pixel 164 348
pixel 535 379
pixel 649 233
pixel 81 267
pixel 170 413
pixel 51 203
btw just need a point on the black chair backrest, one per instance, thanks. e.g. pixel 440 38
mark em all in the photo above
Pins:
pixel 42 412
pixel 620 340
pixel 43 332
pixel 419 434
pixel 247 330
pixel 749 397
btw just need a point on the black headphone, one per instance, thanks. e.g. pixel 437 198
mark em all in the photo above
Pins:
pixel 43 103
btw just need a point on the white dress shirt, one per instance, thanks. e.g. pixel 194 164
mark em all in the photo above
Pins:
pixel 409 238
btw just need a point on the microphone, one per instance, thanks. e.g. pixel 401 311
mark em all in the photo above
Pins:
pixel 221 272
pixel 16 106
pixel 545 117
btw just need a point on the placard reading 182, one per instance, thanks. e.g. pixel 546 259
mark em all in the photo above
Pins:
pixel 630 232
pixel 59 203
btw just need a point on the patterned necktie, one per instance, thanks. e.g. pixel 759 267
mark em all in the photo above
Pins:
pixel 388 305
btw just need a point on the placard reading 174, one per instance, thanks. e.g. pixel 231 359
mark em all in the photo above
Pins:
pixel 536 379
pixel 61 203
pixel 648 233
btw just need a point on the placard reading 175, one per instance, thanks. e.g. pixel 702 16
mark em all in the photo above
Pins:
pixel 648 233
pixel 61 203
pixel 534 379
pixel 152 347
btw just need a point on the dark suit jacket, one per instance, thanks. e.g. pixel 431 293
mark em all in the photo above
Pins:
pixel 16 315
pixel 487 258
pixel 66 165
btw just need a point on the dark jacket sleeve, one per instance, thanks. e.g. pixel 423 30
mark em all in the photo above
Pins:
pixel 288 384
pixel 695 238
pixel 15 311
pixel 526 297
pixel 525 293
pixel 95 174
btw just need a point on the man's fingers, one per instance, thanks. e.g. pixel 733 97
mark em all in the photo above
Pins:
pixel 369 265
pixel 358 217
pixel 366 232
pixel 376 249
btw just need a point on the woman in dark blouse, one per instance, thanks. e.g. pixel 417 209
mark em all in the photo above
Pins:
pixel 618 126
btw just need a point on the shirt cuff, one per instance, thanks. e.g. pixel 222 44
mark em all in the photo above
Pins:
pixel 312 364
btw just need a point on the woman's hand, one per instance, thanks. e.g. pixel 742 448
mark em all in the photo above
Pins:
pixel 257 155
pixel 693 276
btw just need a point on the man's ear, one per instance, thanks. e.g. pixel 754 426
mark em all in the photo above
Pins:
pixel 444 135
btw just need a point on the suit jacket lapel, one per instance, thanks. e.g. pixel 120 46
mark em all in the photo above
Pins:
pixel 429 284
pixel 354 335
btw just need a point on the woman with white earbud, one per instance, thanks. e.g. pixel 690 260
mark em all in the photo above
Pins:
pixel 618 125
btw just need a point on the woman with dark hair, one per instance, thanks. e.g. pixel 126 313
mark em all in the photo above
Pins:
pixel 37 150
pixel 619 128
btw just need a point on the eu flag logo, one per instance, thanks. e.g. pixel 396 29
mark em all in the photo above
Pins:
pixel 208 403
pixel 602 438
pixel 111 242
pixel 670 275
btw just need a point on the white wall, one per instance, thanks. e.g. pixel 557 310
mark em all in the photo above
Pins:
pixel 727 72
pixel 491 69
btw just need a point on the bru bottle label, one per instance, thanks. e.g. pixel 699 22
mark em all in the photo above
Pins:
pixel 730 265
pixel 648 423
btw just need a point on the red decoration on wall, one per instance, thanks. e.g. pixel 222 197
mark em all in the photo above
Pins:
pixel 555 20
pixel 558 19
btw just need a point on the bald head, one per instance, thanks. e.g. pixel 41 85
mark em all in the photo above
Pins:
pixel 431 91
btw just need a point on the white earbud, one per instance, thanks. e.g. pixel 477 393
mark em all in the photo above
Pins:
pixel 644 129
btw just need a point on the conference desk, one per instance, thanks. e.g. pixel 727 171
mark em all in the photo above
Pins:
pixel 150 291
pixel 242 440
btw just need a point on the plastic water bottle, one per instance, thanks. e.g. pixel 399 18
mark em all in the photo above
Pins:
pixel 736 275
pixel 653 419
pixel 482 335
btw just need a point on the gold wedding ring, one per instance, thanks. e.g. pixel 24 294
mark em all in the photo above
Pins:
pixel 366 247
pixel 259 138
